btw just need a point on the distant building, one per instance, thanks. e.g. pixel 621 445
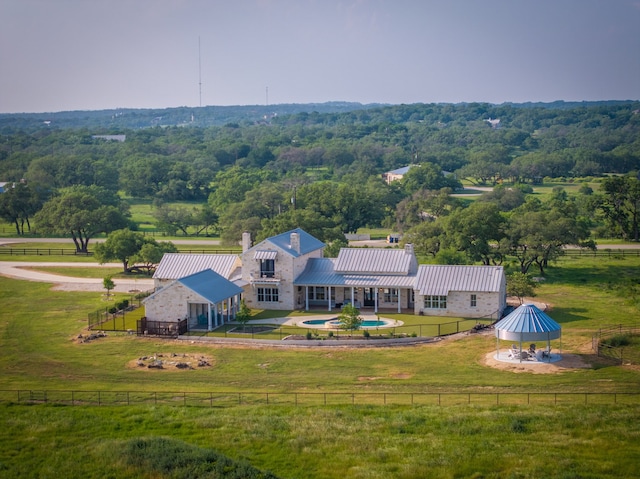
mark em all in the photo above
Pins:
pixel 3 186
pixel 394 175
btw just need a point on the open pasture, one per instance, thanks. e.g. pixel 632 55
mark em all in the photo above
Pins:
pixel 465 434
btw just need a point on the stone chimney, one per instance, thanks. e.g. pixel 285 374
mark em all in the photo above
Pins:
pixel 246 241
pixel 408 249
pixel 295 242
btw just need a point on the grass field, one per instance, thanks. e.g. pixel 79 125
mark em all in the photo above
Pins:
pixel 568 439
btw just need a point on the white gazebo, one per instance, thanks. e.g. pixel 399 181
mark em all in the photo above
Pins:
pixel 527 324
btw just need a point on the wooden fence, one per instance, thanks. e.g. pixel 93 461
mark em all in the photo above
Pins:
pixel 249 398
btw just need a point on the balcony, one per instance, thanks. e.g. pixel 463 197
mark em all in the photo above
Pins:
pixel 265 277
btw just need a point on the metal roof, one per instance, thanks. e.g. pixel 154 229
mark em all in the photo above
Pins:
pixel 265 254
pixel 179 265
pixel 211 286
pixel 527 323
pixel 375 261
pixel 283 241
pixel 438 280
pixel 321 272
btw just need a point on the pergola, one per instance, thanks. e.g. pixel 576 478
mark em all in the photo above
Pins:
pixel 527 324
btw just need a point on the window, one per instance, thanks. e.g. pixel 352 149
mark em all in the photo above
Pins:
pixel 319 293
pixel 390 295
pixel 474 300
pixel 268 295
pixel 435 302
pixel 267 268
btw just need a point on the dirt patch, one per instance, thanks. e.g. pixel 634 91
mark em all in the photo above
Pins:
pixel 171 362
pixel 569 362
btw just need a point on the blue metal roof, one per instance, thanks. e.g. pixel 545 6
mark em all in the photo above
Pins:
pixel 527 323
pixel 307 242
pixel 211 286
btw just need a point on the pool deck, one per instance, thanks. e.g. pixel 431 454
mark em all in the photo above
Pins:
pixel 298 321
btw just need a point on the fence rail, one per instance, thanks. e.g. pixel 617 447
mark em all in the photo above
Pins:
pixel 42 252
pixel 618 352
pixel 609 253
pixel 240 398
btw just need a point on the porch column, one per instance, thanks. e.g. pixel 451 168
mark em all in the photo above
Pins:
pixel 375 300
pixel 329 288
pixel 352 296
pixel 215 314
pixel 306 298
pixel 400 299
pixel 228 309
pixel 209 319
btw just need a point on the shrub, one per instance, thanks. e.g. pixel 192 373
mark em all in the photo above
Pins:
pixel 366 334
pixel 309 335
pixel 618 341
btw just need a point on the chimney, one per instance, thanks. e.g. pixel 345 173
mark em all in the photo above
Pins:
pixel 408 249
pixel 246 241
pixel 295 242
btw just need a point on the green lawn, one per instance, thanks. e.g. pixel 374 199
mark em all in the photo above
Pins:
pixel 564 439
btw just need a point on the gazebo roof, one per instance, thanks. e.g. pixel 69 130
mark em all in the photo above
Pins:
pixel 527 323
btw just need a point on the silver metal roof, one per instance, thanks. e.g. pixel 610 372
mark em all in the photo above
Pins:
pixel 438 280
pixel 321 272
pixel 375 261
pixel 179 265
pixel 261 254
pixel 527 323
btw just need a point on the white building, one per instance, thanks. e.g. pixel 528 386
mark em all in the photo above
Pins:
pixel 289 271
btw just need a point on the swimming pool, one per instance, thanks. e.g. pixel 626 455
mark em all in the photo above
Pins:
pixel 334 323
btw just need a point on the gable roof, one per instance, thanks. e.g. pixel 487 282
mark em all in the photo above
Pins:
pixel 321 272
pixel 438 280
pixel 210 285
pixel 376 261
pixel 179 265
pixel 283 241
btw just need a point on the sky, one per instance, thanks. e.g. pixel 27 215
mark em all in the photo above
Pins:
pixel 61 55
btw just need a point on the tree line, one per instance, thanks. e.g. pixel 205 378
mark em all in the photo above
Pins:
pixel 322 172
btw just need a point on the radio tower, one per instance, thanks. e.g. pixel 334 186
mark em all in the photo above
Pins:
pixel 199 73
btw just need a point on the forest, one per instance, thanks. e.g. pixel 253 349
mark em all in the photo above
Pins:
pixel 272 168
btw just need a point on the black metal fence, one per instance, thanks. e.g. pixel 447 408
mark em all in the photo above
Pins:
pixel 161 328
pixel 280 332
pixel 239 398
pixel 120 316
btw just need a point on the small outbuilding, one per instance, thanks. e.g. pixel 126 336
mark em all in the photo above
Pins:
pixel 205 299
pixel 526 325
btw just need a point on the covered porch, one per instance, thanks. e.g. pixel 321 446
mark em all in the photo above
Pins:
pixel 365 298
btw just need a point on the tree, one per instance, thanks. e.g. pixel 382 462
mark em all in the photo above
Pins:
pixel 18 204
pixel 476 230
pixel 349 318
pixel 520 285
pixel 108 284
pixel 151 253
pixel 428 176
pixel 244 314
pixel 81 212
pixel 129 246
pixel 621 205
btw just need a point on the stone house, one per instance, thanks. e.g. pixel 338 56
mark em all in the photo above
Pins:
pixel 289 271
